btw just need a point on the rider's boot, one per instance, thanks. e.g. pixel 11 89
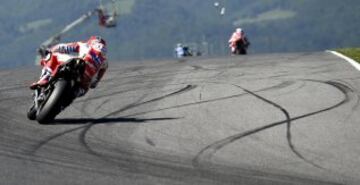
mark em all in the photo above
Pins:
pixel 44 79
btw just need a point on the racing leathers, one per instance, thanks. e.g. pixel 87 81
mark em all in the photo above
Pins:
pixel 235 38
pixel 92 52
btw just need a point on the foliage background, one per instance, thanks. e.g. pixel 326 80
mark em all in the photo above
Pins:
pixel 149 29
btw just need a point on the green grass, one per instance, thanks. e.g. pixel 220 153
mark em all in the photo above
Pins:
pixel 353 53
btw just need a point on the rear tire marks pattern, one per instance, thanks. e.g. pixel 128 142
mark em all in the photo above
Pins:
pixel 207 152
pixel 183 90
pixel 288 127
pixel 350 87
pixel 91 123
pixel 139 69
pixel 88 127
pixel 278 86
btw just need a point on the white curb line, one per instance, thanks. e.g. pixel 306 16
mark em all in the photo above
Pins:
pixel 351 61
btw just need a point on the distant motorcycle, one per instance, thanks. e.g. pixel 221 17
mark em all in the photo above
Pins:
pixel 55 96
pixel 241 47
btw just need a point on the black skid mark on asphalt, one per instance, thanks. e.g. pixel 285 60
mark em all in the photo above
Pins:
pixel 108 94
pixel 341 87
pixel 187 105
pixel 127 119
pixel 210 150
pixel 166 74
pixel 107 157
pixel 352 78
pixel 288 127
pixel 293 90
pixel 82 138
pixel 102 104
pixel 281 85
pixel 140 70
pixel 116 93
pixel 348 92
pixel 42 143
pixel 123 91
pixel 150 142
pixel 161 74
pixel 200 92
pixel 183 90
pixel 351 88
pixel 220 74
pixel 198 67
pixel 129 106
pixel 53 137
pixel 87 123
pixel 104 119
pixel 345 89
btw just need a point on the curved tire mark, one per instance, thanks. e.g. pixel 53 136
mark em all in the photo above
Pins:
pixel 183 90
pixel 281 85
pixel 288 127
pixel 210 150
pixel 90 122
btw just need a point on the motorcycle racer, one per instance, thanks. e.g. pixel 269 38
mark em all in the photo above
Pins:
pixel 236 37
pixel 93 52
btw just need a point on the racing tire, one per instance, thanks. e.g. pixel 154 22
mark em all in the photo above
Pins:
pixel 31 114
pixel 53 105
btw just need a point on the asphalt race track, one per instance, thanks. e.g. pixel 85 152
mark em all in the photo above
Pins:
pixel 274 119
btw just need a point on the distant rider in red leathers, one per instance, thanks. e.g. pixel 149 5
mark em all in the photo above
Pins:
pixel 236 37
pixel 93 52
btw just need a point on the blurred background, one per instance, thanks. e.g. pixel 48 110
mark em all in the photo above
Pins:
pixel 149 29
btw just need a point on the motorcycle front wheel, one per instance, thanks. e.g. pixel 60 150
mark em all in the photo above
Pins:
pixel 52 107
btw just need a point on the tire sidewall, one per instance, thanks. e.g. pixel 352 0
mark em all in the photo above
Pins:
pixel 53 105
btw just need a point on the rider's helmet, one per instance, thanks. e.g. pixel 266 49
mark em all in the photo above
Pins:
pixel 98 44
pixel 96 39
pixel 239 30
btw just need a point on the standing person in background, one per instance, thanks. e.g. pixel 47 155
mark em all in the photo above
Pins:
pixel 179 51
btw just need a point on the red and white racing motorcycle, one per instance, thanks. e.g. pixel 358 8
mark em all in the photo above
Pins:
pixel 55 96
